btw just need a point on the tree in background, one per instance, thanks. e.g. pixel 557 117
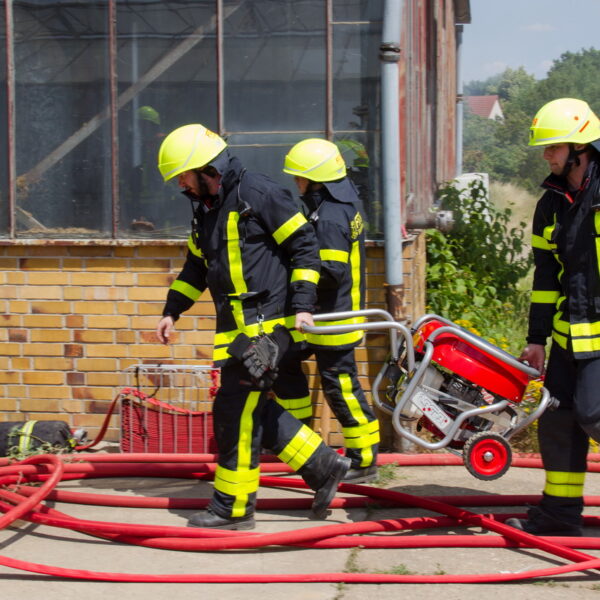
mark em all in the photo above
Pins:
pixel 500 148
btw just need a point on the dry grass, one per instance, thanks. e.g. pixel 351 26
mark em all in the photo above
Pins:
pixel 521 203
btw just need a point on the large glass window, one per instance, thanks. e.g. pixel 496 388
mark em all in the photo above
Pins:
pixel 4 204
pixel 97 86
pixel 62 132
pixel 167 74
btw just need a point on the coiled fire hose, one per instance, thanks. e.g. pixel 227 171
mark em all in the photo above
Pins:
pixel 19 500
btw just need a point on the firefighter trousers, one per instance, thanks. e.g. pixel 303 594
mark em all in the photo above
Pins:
pixel 245 420
pixel 564 433
pixel 343 392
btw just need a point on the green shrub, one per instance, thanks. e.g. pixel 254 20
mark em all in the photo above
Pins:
pixel 475 271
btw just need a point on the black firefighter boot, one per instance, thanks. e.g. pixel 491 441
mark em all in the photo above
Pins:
pixel 325 493
pixel 553 517
pixel 210 520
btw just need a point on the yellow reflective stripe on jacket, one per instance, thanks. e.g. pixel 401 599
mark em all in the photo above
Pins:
pixel 300 448
pixel 305 275
pixel 189 291
pixel 537 241
pixel 301 408
pixel 234 254
pixel 355 269
pixel 565 484
pixel 224 338
pixel 25 435
pixel 586 344
pixel 544 297
pixel 597 227
pixel 337 255
pixel 336 339
pixel 192 248
pixel 289 227
pixel 585 329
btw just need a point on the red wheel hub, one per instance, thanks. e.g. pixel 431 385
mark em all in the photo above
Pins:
pixel 489 456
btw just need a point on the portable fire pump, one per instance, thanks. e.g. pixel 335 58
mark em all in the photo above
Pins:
pixel 446 387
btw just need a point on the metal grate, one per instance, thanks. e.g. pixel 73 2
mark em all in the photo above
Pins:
pixel 168 408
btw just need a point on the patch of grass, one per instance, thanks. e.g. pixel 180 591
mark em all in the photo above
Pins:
pixel 385 474
pixel 351 565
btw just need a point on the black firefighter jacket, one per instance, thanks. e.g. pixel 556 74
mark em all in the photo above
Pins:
pixel 337 217
pixel 256 253
pixel 565 300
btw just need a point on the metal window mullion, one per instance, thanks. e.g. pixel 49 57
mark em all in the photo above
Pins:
pixel 329 69
pixel 11 126
pixel 114 109
pixel 220 71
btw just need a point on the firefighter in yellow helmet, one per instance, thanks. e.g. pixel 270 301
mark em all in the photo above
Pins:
pixel 258 256
pixel 331 204
pixel 565 305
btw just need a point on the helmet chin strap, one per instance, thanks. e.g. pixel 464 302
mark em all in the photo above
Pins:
pixel 572 159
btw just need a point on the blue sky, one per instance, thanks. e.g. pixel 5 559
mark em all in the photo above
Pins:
pixel 526 33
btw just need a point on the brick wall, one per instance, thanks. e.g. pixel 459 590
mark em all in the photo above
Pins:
pixel 74 317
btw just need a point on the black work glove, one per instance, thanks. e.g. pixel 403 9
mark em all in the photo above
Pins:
pixel 261 355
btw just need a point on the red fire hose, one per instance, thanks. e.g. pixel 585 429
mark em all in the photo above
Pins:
pixel 21 501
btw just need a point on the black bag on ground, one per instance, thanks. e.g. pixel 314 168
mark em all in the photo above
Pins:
pixel 30 435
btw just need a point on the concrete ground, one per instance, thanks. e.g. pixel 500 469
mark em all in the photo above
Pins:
pixel 64 548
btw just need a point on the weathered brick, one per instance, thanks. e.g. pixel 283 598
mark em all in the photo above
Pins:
pixel 126 308
pixel 39 264
pixel 37 404
pixel 102 322
pixel 43 349
pixel 93 336
pixel 73 350
pixel 33 321
pixel 51 335
pixel 18 335
pixel 18 363
pixel 50 364
pixel 125 279
pixel 104 293
pixel 7 404
pixel 7 264
pixel 74 321
pixel 15 277
pixel 91 279
pixel 162 280
pixel 10 377
pixel 107 350
pixel 75 378
pixel 41 308
pixel 47 278
pixel 71 406
pixel 47 392
pixel 96 364
pixel 126 337
pixel 83 393
pixel 104 379
pixel 9 292
pixel 43 378
pixel 107 264
pixel 11 349
pixel 73 293
pixel 124 251
pixel 138 265
pixel 150 294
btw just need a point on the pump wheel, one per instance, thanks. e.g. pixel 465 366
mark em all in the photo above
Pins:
pixel 487 456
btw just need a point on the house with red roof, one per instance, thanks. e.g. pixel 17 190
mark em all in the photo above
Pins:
pixel 486 106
